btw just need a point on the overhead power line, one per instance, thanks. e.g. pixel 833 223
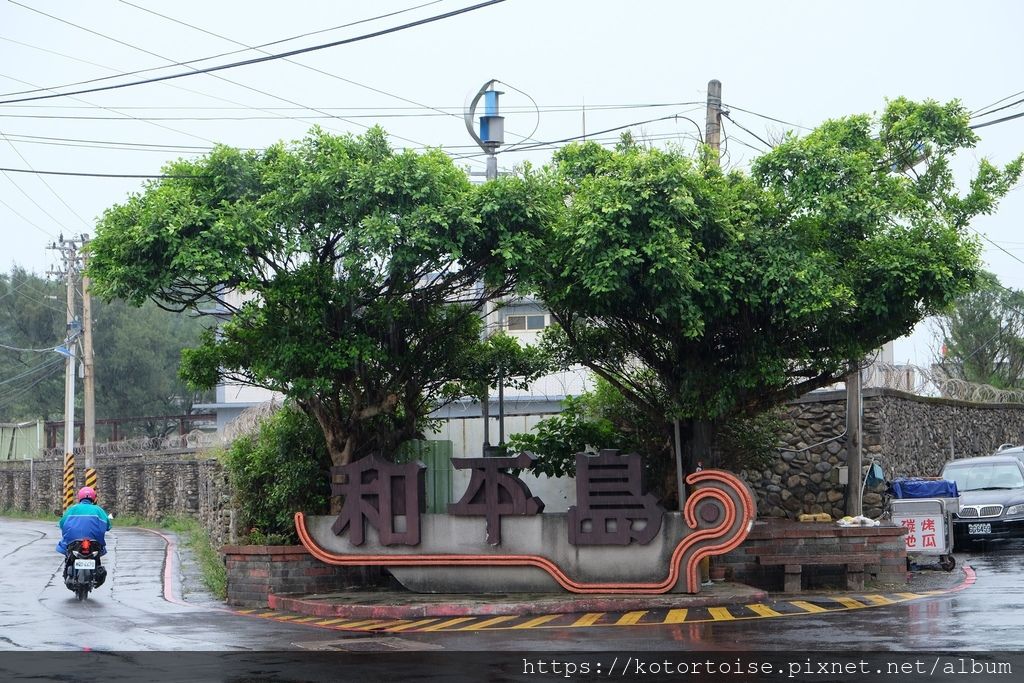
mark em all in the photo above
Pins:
pixel 371 112
pixel 582 136
pixel 22 217
pixel 978 112
pixel 992 123
pixel 95 175
pixel 747 130
pixel 993 111
pixel 55 361
pixel 266 58
pixel 172 63
pixel 764 116
pixel 16 348
pixel 199 59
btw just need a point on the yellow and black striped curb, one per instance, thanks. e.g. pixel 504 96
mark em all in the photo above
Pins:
pixel 653 617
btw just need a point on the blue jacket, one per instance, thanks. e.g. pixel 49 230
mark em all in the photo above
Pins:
pixel 84 520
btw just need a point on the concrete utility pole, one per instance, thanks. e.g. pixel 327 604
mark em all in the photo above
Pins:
pixel 713 123
pixel 89 383
pixel 712 137
pixel 68 250
pixel 854 456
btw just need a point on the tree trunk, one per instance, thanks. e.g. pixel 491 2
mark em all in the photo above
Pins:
pixel 339 443
pixel 697 438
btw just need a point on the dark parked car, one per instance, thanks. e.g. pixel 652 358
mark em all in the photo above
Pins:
pixel 991 497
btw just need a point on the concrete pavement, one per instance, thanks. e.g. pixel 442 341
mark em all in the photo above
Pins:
pixel 404 605
pixel 407 605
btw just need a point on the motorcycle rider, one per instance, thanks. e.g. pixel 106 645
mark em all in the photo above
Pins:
pixel 86 519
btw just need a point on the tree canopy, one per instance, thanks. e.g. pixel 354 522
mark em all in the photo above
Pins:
pixel 137 353
pixel 352 276
pixel 983 336
pixel 736 291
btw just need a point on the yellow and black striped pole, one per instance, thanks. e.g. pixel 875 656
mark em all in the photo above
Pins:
pixel 69 479
pixel 91 478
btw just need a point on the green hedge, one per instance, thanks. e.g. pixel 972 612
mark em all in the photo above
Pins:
pixel 281 469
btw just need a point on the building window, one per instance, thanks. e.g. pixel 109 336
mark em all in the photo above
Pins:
pixel 520 323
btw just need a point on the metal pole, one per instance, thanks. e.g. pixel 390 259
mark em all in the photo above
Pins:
pixel 501 407
pixel 854 457
pixel 491 137
pixel 679 467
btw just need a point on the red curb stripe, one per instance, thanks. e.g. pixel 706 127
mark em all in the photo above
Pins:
pixel 170 565
pixel 969 578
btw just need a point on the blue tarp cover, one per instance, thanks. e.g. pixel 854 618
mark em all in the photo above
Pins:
pixel 924 488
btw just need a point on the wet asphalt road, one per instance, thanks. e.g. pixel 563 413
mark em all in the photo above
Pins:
pixel 131 612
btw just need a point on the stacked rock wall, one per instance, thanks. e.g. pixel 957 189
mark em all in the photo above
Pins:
pixel 907 435
pixel 151 485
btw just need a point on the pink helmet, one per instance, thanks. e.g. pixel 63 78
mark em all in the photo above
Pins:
pixel 86 492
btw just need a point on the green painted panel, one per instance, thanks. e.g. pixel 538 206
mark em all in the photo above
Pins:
pixel 437 456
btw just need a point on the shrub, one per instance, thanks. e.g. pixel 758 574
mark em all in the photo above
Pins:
pixel 281 469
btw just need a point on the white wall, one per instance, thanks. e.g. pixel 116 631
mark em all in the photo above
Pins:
pixel 467 436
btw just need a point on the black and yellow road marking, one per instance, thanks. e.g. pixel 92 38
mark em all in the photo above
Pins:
pixel 813 605
pixel 69 479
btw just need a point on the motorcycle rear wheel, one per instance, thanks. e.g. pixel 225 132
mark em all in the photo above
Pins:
pixel 82 593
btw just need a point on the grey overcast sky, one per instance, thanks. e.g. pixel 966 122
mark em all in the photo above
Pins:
pixel 586 65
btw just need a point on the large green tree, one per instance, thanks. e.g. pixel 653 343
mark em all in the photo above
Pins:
pixel 735 291
pixel 983 336
pixel 31 317
pixel 353 276
pixel 138 351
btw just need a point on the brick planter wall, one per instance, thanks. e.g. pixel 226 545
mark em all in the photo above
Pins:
pixel 256 571
pixel 781 537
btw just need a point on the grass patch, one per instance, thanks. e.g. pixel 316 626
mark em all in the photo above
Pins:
pixel 21 514
pixel 211 565
pixel 191 533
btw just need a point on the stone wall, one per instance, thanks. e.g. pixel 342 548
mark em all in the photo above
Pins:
pixel 151 485
pixel 906 435
pixel 257 573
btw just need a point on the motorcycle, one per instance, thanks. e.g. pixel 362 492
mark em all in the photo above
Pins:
pixel 82 569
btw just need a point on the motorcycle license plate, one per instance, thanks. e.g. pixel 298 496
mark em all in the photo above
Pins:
pixel 85 564
pixel 979 528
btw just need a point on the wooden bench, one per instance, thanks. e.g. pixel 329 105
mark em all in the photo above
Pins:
pixel 793 564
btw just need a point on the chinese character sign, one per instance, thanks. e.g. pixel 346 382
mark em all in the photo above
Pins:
pixel 376 492
pixel 610 508
pixel 493 492
pixel 619 541
pixel 924 532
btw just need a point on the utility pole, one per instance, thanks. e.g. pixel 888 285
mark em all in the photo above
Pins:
pixel 68 250
pixel 713 123
pixel 491 137
pixel 712 137
pixel 89 380
pixel 854 455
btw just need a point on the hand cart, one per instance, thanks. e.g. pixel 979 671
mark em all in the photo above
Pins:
pixel 928 520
